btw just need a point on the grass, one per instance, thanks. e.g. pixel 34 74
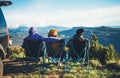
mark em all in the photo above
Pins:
pixel 72 70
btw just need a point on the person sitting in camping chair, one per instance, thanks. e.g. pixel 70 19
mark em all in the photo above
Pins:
pixel 78 46
pixel 33 35
pixel 33 43
pixel 53 33
pixel 55 49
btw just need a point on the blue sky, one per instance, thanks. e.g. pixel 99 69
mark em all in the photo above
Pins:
pixel 67 13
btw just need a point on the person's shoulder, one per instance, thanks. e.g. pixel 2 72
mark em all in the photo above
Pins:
pixel 59 38
pixel 37 34
pixel 53 37
pixel 26 38
pixel 86 40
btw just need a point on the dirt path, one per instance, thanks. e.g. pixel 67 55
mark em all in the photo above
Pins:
pixel 15 67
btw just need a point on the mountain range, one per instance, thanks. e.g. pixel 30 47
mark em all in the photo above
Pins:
pixel 106 35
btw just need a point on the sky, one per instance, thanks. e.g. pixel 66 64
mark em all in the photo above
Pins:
pixel 68 13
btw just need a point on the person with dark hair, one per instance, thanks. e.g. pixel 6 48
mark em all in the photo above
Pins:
pixel 78 42
pixel 79 34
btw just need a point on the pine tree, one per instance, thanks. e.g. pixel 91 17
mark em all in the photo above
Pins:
pixel 103 54
pixel 94 47
pixel 111 54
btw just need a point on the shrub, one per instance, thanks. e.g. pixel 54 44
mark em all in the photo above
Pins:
pixel 16 51
pixel 103 54
pixel 95 63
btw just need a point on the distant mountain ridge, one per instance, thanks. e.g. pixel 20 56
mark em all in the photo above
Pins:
pixel 117 26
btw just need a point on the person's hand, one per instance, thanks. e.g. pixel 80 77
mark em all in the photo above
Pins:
pixel 66 48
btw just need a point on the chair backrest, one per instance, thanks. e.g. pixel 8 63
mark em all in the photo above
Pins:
pixel 55 49
pixel 78 49
pixel 33 48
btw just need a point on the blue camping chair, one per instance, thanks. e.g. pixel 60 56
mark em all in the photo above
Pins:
pixel 78 52
pixel 34 49
pixel 55 51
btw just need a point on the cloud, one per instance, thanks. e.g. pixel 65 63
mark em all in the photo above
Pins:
pixel 45 15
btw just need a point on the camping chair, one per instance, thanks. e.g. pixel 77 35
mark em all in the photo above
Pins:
pixel 33 50
pixel 55 51
pixel 54 54
pixel 78 52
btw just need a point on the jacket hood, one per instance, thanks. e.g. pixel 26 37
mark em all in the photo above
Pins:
pixel 32 31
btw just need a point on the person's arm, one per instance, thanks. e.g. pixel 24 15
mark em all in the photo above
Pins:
pixel 68 43
pixel 88 44
pixel 50 39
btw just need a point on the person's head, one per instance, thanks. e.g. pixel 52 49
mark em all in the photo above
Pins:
pixel 32 31
pixel 79 31
pixel 53 33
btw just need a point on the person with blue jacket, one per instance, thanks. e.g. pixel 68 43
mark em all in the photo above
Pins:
pixel 32 41
pixel 33 35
